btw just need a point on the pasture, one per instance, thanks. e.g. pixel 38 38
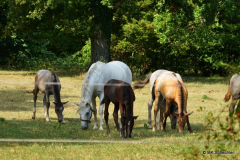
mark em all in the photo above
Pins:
pixel 205 99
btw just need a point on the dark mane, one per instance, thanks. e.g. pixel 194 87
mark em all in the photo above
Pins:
pixel 56 90
pixel 182 98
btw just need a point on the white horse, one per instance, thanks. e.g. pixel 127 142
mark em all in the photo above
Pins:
pixel 93 86
pixel 151 78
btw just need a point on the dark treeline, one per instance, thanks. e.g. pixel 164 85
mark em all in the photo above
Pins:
pixel 192 37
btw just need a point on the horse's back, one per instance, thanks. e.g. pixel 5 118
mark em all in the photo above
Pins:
pixel 120 71
pixel 44 76
pixel 157 73
pixel 235 86
pixel 167 83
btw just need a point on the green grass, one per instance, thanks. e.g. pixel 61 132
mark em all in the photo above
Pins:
pixel 16 112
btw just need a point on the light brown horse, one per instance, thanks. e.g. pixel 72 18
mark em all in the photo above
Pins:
pixel 173 90
pixel 122 96
pixel 151 78
pixel 48 83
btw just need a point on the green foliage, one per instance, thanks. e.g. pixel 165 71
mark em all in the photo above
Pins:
pixel 198 38
pixel 205 97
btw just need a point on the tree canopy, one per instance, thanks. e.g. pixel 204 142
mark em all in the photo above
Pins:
pixel 192 37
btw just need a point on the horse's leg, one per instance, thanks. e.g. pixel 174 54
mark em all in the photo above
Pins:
pixel 106 116
pixel 188 124
pixel 115 117
pixel 122 120
pixel 150 103
pixel 35 92
pixel 156 109
pixel 231 111
pixel 162 109
pixel 95 113
pixel 166 114
pixel 160 104
pixel 46 105
pixel 100 112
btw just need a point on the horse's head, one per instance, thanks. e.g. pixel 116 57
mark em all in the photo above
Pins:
pixel 85 111
pixel 182 119
pixel 58 110
pixel 129 122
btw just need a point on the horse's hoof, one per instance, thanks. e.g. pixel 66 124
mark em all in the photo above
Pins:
pixel 153 130
pixel 101 128
pixel 95 127
pixel 109 135
pixel 149 127
pixel 33 117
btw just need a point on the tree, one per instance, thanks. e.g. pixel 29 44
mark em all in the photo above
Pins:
pixel 80 19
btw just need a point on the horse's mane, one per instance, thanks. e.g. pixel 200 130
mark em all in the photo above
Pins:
pixel 95 72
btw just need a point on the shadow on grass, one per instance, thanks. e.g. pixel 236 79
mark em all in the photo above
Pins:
pixel 206 80
pixel 40 129
pixel 20 100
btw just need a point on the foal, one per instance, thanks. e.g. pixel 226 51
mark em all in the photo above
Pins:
pixel 122 96
pixel 48 83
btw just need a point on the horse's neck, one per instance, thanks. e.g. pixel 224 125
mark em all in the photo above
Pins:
pixel 56 93
pixel 91 82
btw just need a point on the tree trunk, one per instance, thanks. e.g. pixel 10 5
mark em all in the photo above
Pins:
pixel 100 47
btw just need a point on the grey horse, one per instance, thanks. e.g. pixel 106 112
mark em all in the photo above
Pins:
pixel 48 83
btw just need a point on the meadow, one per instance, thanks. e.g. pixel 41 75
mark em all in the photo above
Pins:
pixel 205 100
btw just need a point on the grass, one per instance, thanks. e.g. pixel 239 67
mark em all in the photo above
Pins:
pixel 16 112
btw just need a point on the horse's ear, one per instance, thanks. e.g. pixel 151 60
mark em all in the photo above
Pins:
pixel 135 117
pixel 64 102
pixel 78 104
pixel 188 114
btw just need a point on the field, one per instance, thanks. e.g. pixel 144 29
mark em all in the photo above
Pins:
pixel 205 100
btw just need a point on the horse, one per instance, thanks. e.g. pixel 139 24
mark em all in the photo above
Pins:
pixel 122 96
pixel 93 86
pixel 48 83
pixel 169 87
pixel 234 92
pixel 152 78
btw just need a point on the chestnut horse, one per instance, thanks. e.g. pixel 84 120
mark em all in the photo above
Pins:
pixel 48 83
pixel 122 96
pixel 169 87
pixel 234 92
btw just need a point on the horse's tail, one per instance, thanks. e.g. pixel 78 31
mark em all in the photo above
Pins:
pixel 141 84
pixel 228 94
pixel 153 91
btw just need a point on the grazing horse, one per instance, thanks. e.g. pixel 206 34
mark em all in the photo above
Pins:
pixel 122 96
pixel 97 76
pixel 48 83
pixel 169 87
pixel 234 92
pixel 152 78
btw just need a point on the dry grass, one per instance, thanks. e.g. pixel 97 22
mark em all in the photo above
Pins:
pixel 16 108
